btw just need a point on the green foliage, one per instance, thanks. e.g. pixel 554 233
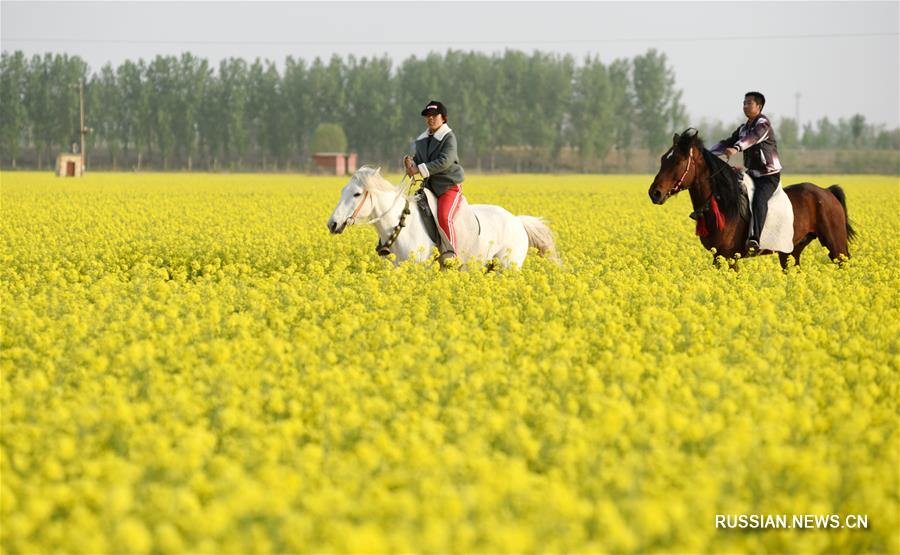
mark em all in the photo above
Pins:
pixel 329 137
pixel 13 111
pixel 594 107
pixel 514 108
pixel 788 133
pixel 658 108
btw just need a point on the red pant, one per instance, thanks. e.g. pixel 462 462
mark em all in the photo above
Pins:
pixel 448 203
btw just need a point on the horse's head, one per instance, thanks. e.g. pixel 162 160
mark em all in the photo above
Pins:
pixel 677 167
pixel 356 201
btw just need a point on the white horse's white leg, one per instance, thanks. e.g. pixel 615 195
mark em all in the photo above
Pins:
pixel 512 242
pixel 518 250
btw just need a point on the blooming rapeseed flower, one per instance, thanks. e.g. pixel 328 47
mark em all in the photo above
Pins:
pixel 193 364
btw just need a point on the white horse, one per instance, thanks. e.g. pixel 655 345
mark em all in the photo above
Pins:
pixel 369 198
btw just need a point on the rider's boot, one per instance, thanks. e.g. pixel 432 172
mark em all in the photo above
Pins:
pixel 448 260
pixel 752 244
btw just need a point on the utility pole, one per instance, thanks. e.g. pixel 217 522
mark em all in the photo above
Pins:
pixel 82 130
pixel 81 106
pixel 797 108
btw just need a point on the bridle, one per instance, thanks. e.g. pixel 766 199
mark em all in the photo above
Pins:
pixel 352 219
pixel 706 205
pixel 383 249
pixel 680 185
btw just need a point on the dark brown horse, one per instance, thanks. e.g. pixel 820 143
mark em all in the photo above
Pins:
pixel 722 209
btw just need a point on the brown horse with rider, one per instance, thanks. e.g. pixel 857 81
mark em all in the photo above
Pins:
pixel 722 209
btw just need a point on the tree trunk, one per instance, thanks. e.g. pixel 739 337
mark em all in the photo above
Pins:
pixel 140 158
pixel 190 163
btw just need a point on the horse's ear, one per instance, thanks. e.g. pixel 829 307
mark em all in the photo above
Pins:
pixel 684 142
pixel 675 138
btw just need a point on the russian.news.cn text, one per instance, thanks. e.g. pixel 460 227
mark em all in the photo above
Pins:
pixel 744 521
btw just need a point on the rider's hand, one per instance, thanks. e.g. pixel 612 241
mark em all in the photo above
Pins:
pixel 729 152
pixel 411 168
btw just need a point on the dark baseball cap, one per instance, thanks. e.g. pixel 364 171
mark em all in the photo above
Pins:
pixel 434 107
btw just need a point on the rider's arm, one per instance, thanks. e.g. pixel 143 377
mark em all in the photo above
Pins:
pixel 720 146
pixel 758 133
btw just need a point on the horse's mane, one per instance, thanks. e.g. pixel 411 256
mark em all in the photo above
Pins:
pixel 372 180
pixel 729 192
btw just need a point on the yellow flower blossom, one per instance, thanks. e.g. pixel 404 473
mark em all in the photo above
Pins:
pixel 193 364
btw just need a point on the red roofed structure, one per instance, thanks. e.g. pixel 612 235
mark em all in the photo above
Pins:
pixel 334 163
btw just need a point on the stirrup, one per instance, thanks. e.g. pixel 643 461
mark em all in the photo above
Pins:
pixel 447 259
pixel 752 247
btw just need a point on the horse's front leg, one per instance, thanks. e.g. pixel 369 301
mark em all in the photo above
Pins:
pixel 732 261
pixel 784 258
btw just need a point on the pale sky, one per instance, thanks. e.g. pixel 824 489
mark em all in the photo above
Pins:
pixel 841 57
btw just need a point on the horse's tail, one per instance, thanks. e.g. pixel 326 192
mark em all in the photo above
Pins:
pixel 842 198
pixel 540 237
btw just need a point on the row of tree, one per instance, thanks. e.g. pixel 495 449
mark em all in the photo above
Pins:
pixel 844 134
pixel 181 112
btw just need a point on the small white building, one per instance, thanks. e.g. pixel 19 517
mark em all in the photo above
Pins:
pixel 69 165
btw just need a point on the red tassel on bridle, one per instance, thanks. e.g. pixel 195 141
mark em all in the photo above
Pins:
pixel 718 219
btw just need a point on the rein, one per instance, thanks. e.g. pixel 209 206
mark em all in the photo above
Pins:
pixel 680 185
pixel 383 249
pixel 708 205
pixel 352 218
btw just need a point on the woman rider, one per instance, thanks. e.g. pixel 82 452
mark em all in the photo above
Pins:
pixel 436 160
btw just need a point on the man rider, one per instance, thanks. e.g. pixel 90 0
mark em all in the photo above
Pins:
pixel 756 139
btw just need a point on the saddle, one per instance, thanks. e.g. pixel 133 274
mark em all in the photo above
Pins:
pixel 428 218
pixel 778 230
pixel 466 223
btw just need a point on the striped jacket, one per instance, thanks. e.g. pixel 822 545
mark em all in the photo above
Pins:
pixel 756 139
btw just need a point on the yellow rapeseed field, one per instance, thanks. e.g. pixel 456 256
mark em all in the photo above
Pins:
pixel 191 363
